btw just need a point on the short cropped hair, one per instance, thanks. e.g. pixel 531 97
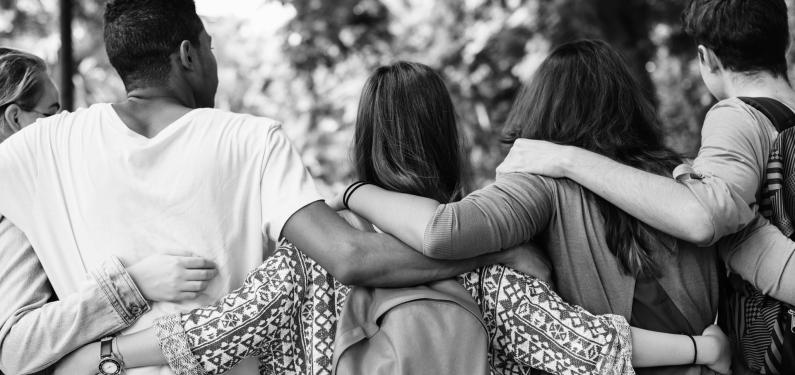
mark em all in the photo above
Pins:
pixel 748 36
pixel 141 35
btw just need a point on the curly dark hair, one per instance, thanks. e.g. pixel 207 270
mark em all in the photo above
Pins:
pixel 141 35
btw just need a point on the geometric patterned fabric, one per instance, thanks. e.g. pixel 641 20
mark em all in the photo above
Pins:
pixel 286 315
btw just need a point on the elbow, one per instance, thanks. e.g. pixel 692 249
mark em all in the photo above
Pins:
pixel 439 248
pixel 699 229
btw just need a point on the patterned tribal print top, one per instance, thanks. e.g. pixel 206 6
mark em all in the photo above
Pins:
pixel 286 313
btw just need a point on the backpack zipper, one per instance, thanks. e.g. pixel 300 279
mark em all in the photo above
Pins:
pixel 792 320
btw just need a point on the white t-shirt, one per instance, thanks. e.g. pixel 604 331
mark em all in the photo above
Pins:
pixel 83 186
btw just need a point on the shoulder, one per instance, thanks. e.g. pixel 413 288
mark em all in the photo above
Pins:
pixel 520 183
pixel 63 122
pixel 733 117
pixel 256 134
pixel 240 121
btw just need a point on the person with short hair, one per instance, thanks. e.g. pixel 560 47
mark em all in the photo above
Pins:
pixel 111 298
pixel 742 46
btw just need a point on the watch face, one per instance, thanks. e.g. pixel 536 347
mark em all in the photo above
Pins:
pixel 109 366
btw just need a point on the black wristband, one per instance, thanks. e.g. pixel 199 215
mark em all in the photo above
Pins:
pixel 695 349
pixel 347 191
pixel 350 191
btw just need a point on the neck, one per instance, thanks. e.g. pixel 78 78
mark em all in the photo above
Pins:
pixel 161 96
pixel 147 111
pixel 760 84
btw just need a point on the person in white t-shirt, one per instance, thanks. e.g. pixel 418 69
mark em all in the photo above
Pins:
pixel 162 170
pixel 112 298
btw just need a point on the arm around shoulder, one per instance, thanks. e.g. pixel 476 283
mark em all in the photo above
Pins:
pixel 365 258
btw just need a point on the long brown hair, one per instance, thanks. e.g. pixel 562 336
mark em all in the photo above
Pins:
pixel 584 95
pixel 406 136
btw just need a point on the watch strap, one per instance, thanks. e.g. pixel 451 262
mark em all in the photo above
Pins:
pixel 106 347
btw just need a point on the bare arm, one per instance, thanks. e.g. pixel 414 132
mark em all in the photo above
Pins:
pixel 652 349
pixel 500 216
pixel 365 258
pixel 734 148
pixel 658 201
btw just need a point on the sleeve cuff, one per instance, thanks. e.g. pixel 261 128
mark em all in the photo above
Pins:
pixel 685 172
pixel 120 290
pixel 175 346
pixel 617 358
pixel 728 212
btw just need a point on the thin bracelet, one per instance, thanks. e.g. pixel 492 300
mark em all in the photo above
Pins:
pixel 348 190
pixel 346 195
pixel 345 203
pixel 695 349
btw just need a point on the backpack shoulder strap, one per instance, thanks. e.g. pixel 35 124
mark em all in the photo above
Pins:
pixel 779 114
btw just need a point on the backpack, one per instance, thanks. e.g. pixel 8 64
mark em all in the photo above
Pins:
pixel 429 329
pixel 763 327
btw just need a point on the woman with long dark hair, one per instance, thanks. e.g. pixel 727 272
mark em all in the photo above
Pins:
pixel 603 260
pixel 406 140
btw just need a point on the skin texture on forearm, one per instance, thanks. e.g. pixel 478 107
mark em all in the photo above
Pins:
pixel 660 202
pixel 500 216
pixel 368 259
pixel 652 349
pixel 403 215
pixel 141 349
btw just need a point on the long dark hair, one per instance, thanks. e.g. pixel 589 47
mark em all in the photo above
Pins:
pixel 584 95
pixel 406 135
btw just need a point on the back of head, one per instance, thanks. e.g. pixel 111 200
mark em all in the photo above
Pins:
pixel 20 82
pixel 406 134
pixel 141 35
pixel 748 36
pixel 584 95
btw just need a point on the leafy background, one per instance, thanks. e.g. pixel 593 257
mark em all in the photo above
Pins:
pixel 304 61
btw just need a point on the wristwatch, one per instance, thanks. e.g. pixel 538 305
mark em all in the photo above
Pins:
pixel 109 362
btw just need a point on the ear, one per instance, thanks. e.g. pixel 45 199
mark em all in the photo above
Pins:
pixel 12 116
pixel 186 55
pixel 707 57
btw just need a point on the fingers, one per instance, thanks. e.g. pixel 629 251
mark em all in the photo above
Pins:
pixel 196 262
pixel 179 253
pixel 187 296
pixel 200 274
pixel 194 286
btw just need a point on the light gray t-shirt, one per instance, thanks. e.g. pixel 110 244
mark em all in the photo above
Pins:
pixel 735 144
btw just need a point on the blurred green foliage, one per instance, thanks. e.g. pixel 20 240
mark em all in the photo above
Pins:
pixel 304 61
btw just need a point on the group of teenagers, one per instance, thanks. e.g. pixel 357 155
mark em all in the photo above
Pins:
pixel 158 235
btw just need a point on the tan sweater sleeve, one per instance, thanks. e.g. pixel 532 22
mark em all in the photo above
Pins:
pixel 504 214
